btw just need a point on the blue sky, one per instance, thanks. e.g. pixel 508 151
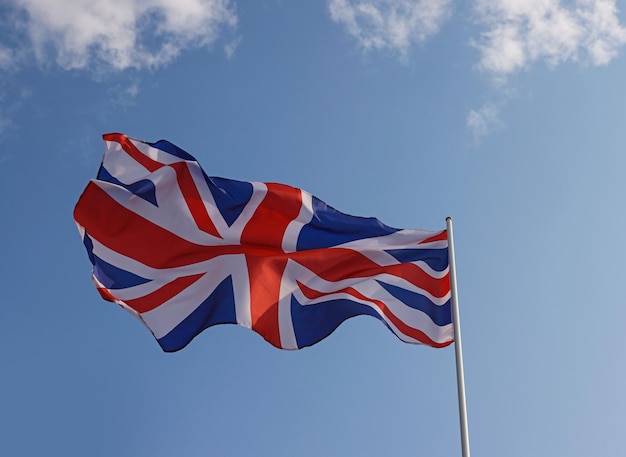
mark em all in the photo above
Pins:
pixel 506 115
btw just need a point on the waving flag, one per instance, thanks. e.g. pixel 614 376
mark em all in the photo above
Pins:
pixel 183 251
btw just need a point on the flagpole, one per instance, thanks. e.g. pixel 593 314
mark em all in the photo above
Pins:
pixel 458 349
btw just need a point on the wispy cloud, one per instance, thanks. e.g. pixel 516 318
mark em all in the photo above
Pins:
pixel 120 34
pixel 512 34
pixel 122 96
pixel 390 24
pixel 231 47
pixel 522 32
pixel 519 33
pixel 484 120
pixel 9 105
pixel 509 35
pixel 6 58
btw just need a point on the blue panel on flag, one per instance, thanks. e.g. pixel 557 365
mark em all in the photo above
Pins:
pixel 112 277
pixel 172 149
pixel 89 247
pixel 330 227
pixel 143 188
pixel 218 308
pixel 231 197
pixel 439 314
pixel 313 323
pixel 437 259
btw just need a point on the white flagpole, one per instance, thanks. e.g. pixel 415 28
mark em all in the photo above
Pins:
pixel 458 350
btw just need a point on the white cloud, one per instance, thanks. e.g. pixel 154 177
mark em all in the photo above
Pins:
pixel 606 35
pixel 390 24
pixel 121 34
pixel 521 32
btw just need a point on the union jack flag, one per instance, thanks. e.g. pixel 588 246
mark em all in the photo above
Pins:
pixel 183 251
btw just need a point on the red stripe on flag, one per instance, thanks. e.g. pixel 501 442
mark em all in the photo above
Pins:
pixel 438 287
pixel 265 277
pixel 397 322
pixel 336 264
pixel 185 181
pixel 128 146
pixel 162 294
pixel 106 294
pixel 281 205
pixel 123 231
pixel 443 236
pixel 193 199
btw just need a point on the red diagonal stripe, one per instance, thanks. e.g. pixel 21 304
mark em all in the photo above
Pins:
pixel 442 236
pixel 438 287
pixel 193 199
pixel 183 176
pixel 382 307
pixel 128 146
pixel 126 232
pixel 162 294
pixel 106 294
pixel 336 264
